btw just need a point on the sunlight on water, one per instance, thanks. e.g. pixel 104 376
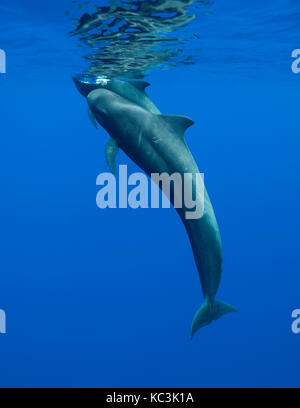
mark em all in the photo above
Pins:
pixel 128 38
pixel 133 39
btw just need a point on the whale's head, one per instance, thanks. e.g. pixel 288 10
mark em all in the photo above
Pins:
pixel 86 84
pixel 101 103
pixel 112 111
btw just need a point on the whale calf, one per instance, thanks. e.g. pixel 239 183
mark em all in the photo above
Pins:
pixel 156 144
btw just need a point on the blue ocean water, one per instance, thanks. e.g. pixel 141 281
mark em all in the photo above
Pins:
pixel 106 298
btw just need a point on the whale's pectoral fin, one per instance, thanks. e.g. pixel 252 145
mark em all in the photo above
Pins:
pixel 208 312
pixel 179 124
pixel 111 151
pixel 92 118
pixel 140 85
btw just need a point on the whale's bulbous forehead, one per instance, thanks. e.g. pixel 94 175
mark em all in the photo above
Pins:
pixel 104 103
pixel 100 96
pixel 102 99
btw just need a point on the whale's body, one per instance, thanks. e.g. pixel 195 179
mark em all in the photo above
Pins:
pixel 156 144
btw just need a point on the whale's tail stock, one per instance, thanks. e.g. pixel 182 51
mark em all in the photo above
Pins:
pixel 209 311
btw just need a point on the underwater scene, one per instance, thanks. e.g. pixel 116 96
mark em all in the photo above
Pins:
pixel 150 189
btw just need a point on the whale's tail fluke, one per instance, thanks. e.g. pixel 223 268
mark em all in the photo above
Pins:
pixel 209 311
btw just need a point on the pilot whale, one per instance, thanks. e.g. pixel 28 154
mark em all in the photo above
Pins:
pixel 156 144
pixel 134 91
pixel 131 90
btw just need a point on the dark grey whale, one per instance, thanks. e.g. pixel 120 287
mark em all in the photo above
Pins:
pixel 156 144
pixel 134 91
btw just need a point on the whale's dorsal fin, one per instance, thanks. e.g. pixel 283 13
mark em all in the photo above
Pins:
pixel 111 151
pixel 178 123
pixel 140 85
